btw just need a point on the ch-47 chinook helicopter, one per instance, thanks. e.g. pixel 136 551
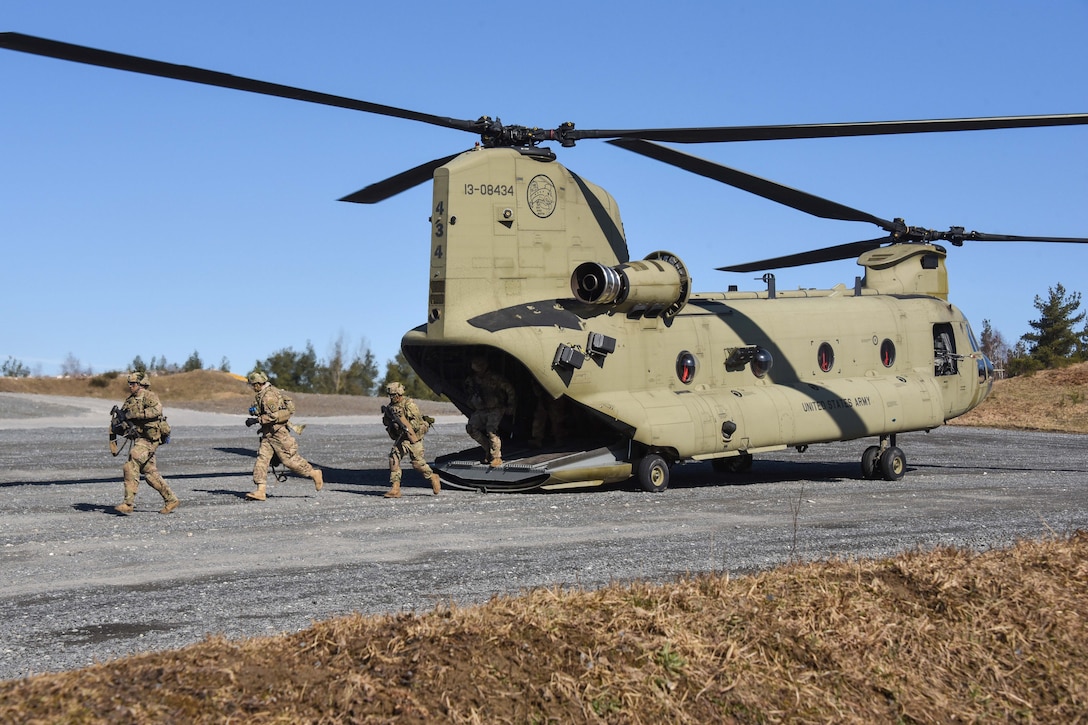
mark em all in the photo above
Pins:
pixel 620 369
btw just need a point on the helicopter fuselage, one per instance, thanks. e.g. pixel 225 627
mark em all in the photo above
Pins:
pixel 529 269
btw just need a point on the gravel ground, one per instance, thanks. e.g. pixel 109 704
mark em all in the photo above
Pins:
pixel 82 584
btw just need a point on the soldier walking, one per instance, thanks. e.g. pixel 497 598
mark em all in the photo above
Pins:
pixel 272 410
pixel 492 398
pixel 406 426
pixel 147 429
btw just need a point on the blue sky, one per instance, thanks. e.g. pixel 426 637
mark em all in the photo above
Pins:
pixel 144 216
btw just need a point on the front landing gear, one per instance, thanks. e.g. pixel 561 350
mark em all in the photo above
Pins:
pixel 885 461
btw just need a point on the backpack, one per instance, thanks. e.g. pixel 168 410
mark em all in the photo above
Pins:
pixel 288 405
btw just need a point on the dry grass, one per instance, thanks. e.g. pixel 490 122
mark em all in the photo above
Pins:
pixel 1049 400
pixel 937 636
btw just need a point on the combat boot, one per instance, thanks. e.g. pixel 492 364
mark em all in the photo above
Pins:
pixel 319 479
pixel 125 508
pixel 436 483
pixel 171 504
pixel 258 495
pixel 394 492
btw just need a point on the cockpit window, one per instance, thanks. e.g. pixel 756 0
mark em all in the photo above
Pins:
pixel 945 359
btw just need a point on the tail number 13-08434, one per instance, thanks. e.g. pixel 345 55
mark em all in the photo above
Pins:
pixel 489 189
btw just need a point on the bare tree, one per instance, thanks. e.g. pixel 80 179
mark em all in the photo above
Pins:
pixel 72 368
pixel 994 346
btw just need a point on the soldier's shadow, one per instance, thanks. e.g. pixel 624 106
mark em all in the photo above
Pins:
pixel 222 492
pixel 378 477
pixel 109 510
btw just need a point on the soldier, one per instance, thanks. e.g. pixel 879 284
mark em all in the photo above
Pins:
pixel 406 426
pixel 143 410
pixel 272 410
pixel 492 397
pixel 548 418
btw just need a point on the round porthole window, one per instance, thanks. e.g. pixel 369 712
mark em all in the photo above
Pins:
pixel 887 353
pixel 762 363
pixel 685 367
pixel 825 357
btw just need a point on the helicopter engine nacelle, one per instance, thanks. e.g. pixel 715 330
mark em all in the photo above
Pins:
pixel 656 286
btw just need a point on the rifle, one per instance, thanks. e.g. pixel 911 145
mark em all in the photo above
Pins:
pixel 397 424
pixel 120 425
pixel 253 420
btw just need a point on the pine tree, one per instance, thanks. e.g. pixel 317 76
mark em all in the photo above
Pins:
pixel 193 363
pixel 1055 342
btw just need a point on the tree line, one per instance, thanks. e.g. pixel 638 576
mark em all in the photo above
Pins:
pixel 1058 337
pixel 342 372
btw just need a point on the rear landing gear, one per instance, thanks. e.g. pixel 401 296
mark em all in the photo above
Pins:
pixel 885 461
pixel 653 473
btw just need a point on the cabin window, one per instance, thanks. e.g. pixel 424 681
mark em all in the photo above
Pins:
pixel 887 353
pixel 762 362
pixel 945 360
pixel 685 367
pixel 825 357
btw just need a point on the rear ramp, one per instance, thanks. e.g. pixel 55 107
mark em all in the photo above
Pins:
pixel 529 470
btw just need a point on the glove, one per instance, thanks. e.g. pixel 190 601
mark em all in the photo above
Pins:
pixel 253 410
pixel 250 422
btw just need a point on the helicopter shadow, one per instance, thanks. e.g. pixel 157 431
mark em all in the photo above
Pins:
pixel 766 471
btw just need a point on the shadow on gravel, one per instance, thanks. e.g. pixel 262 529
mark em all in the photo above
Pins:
pixel 68 482
pixel 107 509
pixel 169 476
pixel 223 492
pixel 244 452
pixel 766 471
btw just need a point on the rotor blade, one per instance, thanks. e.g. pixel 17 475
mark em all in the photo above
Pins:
pixel 827 254
pixel 403 181
pixel 982 237
pixel 832 130
pixel 795 198
pixel 134 64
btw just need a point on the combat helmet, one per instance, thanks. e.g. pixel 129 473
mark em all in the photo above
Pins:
pixel 257 377
pixel 394 388
pixel 140 377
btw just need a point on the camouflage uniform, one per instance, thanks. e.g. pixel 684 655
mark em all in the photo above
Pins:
pixel 273 411
pixel 492 398
pixel 143 409
pixel 406 426
pixel 549 418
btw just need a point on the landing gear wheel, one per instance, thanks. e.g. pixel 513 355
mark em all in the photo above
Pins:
pixel 870 462
pixel 653 474
pixel 893 464
pixel 732 464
